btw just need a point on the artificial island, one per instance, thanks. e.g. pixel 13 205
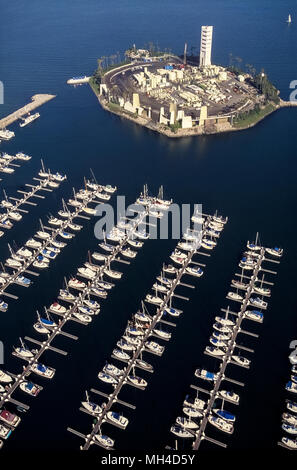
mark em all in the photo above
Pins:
pixel 184 95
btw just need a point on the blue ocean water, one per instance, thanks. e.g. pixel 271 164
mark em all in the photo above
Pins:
pixel 249 176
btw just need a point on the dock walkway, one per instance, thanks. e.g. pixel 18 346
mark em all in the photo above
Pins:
pixel 37 100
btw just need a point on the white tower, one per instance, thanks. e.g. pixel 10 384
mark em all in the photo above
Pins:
pixel 205 45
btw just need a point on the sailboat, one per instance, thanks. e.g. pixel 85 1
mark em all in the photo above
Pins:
pixel 289 20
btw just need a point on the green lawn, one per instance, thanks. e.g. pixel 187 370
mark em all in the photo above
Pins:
pixel 254 117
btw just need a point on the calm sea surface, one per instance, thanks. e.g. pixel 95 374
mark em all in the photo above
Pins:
pixel 249 176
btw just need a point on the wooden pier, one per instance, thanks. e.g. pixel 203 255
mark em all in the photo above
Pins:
pixel 37 100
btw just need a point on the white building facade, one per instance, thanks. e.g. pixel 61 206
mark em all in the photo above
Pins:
pixel 205 45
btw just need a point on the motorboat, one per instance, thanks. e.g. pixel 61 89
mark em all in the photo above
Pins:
pixel 186 423
pixel 235 296
pixel 117 419
pixel 291 387
pixel 289 428
pixel 289 418
pixel 154 347
pixel 137 381
pixel 30 388
pixel 107 378
pixel 66 295
pixel 105 441
pixel 243 361
pixel 162 334
pixel 206 375
pixel 82 317
pixel 180 431
pixel 224 414
pixel 121 354
pixel 153 299
pixel 257 302
pixel 9 418
pixel 42 370
pixel 215 351
pixel 194 271
pixel 4 377
pixel 254 315
pixel 225 321
pixel 192 412
pixel 113 370
pixel 278 252
pixel 194 403
pixel 290 443
pixel 172 311
pixel 229 396
pixel 58 308
pixel 221 424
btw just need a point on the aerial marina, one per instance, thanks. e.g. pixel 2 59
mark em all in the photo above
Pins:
pixel 145 325
pixel 224 348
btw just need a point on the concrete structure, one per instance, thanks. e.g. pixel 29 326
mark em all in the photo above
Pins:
pixel 136 101
pixel 203 115
pixel 205 46
pixel 187 122
pixel 37 100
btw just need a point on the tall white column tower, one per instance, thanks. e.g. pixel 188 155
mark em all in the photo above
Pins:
pixel 205 45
